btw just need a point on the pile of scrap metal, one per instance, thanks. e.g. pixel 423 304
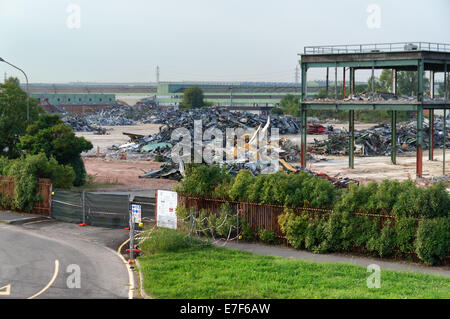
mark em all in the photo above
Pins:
pixel 376 141
pixel 160 144
pixel 369 97
pixel 255 163
pixel 78 123
pixel 222 118
pixel 170 170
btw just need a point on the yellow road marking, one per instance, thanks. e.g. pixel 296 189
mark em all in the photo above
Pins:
pixel 6 290
pixel 130 272
pixel 55 274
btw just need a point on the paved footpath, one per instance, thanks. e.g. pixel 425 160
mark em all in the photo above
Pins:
pixel 288 252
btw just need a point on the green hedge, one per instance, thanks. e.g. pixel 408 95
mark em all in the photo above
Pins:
pixel 418 222
pixel 346 232
pixel 290 190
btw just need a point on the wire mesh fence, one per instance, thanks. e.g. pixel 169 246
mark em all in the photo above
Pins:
pixel 99 209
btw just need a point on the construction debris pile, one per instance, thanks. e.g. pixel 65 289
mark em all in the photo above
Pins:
pixel 369 97
pixel 376 141
pixel 160 145
pixel 114 116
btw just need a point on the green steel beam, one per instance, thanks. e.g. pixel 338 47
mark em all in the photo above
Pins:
pixel 364 64
pixel 367 107
pixel 436 61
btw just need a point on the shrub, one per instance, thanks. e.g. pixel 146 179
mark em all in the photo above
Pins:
pixel 166 240
pixel 294 227
pixel 201 180
pixel 247 231
pixel 27 170
pixel 405 233
pixel 433 240
pixel 240 186
pixel 386 242
pixel 315 239
pixel 226 223
pixel 80 171
pixel 267 236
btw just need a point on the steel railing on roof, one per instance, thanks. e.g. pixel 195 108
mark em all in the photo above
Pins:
pixel 377 47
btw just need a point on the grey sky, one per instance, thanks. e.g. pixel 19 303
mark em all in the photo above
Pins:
pixel 246 40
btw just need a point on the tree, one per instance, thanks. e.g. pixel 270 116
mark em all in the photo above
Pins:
pixel 13 116
pixel 290 104
pixel 441 88
pixel 193 98
pixel 386 80
pixel 378 85
pixel 53 137
pixel 407 83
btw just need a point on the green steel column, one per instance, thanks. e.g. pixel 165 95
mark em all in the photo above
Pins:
pixel 445 140
pixel 304 138
pixel 431 120
pixel 303 118
pixel 430 134
pixel 351 158
pixel 394 121
pixel 335 83
pixel 444 147
pixel 419 142
pixel 394 137
pixel 351 152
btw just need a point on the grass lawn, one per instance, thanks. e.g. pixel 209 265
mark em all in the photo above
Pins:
pixel 213 272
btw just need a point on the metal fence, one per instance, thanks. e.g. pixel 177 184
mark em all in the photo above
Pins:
pixel 265 216
pixel 99 209
pixel 377 47
pixel 258 216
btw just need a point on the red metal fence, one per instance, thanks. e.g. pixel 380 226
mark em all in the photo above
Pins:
pixel 42 207
pixel 258 216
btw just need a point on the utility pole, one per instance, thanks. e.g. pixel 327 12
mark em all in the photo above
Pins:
pixel 296 74
pixel 157 74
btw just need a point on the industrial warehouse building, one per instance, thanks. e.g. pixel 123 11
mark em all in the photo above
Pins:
pixel 75 102
pixel 238 95
pixel 243 95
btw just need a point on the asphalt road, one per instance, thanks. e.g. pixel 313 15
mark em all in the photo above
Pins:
pixel 41 260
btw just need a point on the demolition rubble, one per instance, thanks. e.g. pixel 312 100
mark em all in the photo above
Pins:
pixel 377 140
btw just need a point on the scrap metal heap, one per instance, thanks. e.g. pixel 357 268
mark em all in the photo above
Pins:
pixel 160 145
pixel 376 141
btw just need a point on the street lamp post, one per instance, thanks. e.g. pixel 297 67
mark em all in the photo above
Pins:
pixel 28 92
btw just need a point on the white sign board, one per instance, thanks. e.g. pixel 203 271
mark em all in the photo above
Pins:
pixel 136 213
pixel 166 205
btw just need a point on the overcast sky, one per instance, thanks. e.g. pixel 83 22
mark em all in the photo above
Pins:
pixel 201 40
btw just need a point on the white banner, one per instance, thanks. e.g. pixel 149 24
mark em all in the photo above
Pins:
pixel 166 205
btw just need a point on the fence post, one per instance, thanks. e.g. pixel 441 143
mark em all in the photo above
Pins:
pixel 237 226
pixel 190 225
pixel 131 230
pixel 83 203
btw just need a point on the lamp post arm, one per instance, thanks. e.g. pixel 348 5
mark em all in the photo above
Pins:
pixel 28 92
